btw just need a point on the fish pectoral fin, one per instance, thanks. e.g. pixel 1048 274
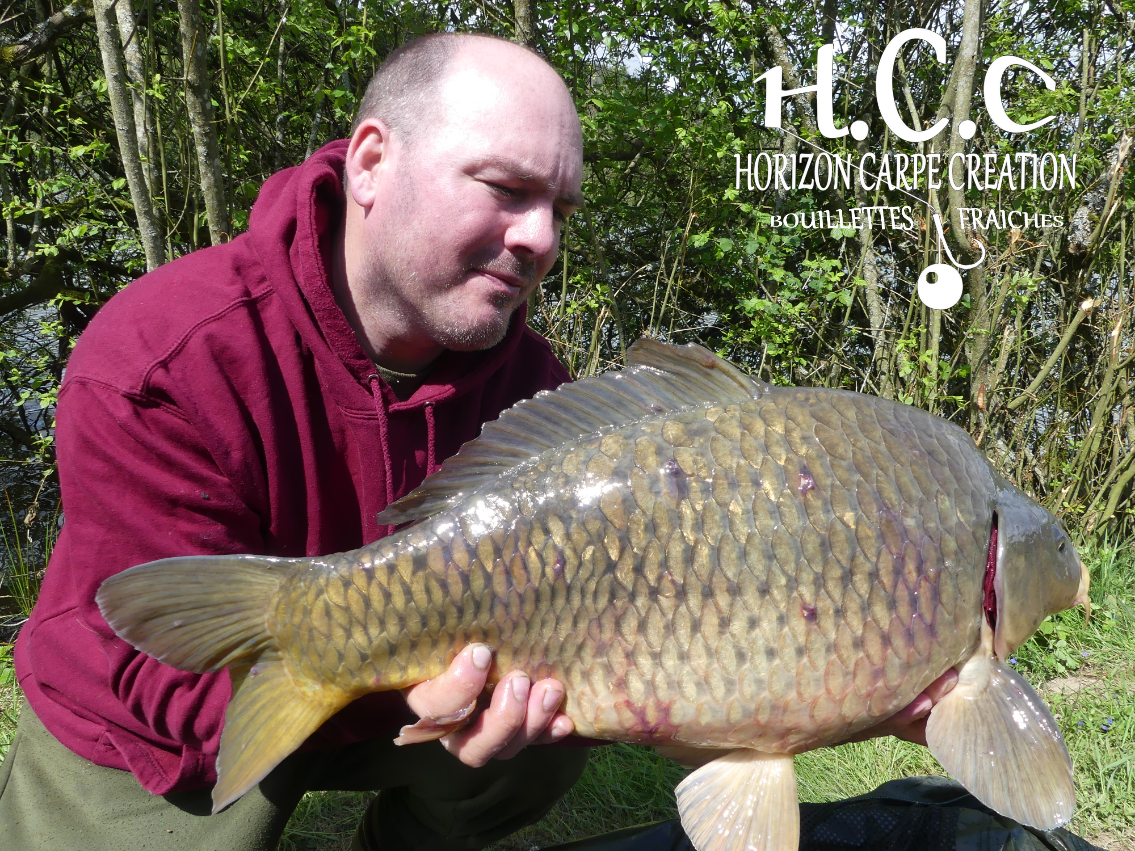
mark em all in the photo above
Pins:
pixel 268 717
pixel 743 801
pixel 997 737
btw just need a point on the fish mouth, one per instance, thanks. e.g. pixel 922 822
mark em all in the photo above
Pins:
pixel 989 604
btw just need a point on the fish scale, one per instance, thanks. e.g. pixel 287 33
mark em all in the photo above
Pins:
pixel 702 559
pixel 782 472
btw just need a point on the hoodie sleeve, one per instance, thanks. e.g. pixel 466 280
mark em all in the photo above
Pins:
pixel 137 485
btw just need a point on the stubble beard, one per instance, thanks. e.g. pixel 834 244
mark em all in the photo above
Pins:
pixel 466 338
pixel 413 300
pixel 435 307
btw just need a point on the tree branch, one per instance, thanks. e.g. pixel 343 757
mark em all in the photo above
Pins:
pixel 1094 209
pixel 1084 310
pixel 114 67
pixel 523 11
pixel 18 435
pixel 47 284
pixel 40 40
pixel 194 40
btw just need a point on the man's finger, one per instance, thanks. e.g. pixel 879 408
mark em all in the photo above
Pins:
pixel 496 727
pixel 560 727
pixel 941 686
pixel 447 696
pixel 909 723
pixel 914 732
pixel 544 699
pixel 918 708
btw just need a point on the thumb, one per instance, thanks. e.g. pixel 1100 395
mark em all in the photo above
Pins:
pixel 452 695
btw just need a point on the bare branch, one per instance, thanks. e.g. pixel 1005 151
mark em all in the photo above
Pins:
pixel 1084 310
pixel 18 435
pixel 47 284
pixel 1094 210
pixel 778 49
pixel 523 10
pixel 40 40
pixel 194 40
pixel 114 66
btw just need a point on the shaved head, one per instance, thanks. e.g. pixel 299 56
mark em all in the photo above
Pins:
pixel 403 93
pixel 465 163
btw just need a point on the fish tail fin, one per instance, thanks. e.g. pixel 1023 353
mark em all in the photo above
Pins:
pixel 206 613
pixel 194 613
pixel 744 801
pixel 996 736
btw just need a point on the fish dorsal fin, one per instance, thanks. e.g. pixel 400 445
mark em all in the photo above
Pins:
pixel 659 378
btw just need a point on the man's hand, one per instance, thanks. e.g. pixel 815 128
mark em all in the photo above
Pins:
pixel 910 724
pixel 520 713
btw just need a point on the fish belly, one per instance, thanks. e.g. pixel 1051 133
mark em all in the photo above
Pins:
pixel 774 574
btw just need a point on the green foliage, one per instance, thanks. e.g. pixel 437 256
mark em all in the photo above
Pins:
pixel 622 786
pixel 9 698
pixel 25 560
pixel 668 244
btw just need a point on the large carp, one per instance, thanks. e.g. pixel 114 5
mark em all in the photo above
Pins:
pixel 703 560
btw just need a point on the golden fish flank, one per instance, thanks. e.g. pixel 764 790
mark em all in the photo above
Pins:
pixel 703 559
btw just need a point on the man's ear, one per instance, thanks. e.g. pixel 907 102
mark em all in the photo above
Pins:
pixel 367 154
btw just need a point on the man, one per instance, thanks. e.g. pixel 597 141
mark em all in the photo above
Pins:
pixel 271 396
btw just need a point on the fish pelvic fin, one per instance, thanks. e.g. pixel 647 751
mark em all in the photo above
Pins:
pixel 744 801
pixel 432 729
pixel 689 756
pixel 268 717
pixel 997 737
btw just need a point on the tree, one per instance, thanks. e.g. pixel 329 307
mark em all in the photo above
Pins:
pixel 1035 361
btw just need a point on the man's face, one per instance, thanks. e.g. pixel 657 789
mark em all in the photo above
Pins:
pixel 466 220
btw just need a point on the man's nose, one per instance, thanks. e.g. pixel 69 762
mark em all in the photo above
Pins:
pixel 534 231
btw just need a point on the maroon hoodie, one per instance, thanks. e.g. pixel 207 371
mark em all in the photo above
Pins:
pixel 222 404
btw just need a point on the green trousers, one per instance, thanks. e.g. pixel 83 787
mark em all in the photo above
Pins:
pixel 50 798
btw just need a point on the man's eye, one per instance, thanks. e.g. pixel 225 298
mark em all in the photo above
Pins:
pixel 504 191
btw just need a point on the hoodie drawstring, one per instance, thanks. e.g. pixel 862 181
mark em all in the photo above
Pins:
pixel 431 448
pixel 384 434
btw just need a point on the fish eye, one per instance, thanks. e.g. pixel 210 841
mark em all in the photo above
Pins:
pixel 1063 544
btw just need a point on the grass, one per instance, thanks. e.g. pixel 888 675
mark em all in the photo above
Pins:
pixel 623 786
pixel 9 698
pixel 20 572
pixel 24 562
pixel 325 821
pixel 1085 671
